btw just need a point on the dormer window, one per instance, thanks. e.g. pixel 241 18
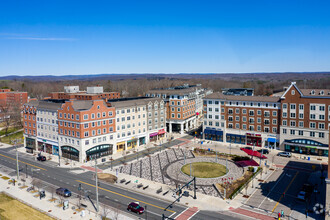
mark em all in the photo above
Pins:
pixel 322 92
pixel 313 92
pixel 292 92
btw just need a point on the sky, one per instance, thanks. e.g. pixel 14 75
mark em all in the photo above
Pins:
pixel 94 37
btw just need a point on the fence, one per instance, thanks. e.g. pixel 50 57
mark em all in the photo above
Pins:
pixel 234 194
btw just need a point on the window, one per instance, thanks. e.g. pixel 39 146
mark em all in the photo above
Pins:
pixel 312 125
pixel 244 119
pixel 110 114
pixel 98 115
pixel 284 123
pixel 274 121
pixel 301 115
pixel 292 115
pixel 230 125
pixel 292 132
pixel 274 130
pixel 244 111
pixel 285 105
pixel 293 123
pixel 284 130
pixel 274 113
pixel 313 107
pixel 301 106
pixel 210 123
pixel 244 126
pixel 266 122
pixel 321 117
pixel 93 115
pixel 266 129
pixel 322 108
pixel 86 142
pixel 86 125
pixel 321 126
pixel 237 118
pixel 321 135
pixel 301 133
pixel 222 110
pixel 85 117
pixel 284 114
pixel 312 116
pixel 259 112
pixel 266 113
pixel 292 92
pixel 237 110
pixel 312 134
pixel 301 124
pixel 251 113
pixel 259 120
pixel 292 106
pixel 86 134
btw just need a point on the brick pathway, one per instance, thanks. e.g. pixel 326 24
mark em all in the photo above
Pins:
pixel 91 169
pixel 252 214
pixel 187 214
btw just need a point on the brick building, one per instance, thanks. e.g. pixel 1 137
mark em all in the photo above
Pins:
pixel 30 125
pixel 250 120
pixel 184 105
pixel 305 120
pixel 86 129
pixel 92 93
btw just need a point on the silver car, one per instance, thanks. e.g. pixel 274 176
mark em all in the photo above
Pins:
pixel 284 154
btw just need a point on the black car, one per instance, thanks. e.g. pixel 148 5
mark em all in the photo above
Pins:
pixel 41 158
pixel 63 192
pixel 263 151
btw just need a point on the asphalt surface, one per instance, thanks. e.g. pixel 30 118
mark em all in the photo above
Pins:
pixel 108 194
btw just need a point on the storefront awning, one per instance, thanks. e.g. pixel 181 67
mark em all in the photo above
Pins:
pixel 308 146
pixel 271 140
pixel 120 143
pixel 153 134
pixel 161 131
pixel 207 131
pixel 218 132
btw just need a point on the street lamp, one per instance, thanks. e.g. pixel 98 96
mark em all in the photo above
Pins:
pixel 17 165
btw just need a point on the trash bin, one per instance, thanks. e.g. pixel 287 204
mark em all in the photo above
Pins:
pixel 308 158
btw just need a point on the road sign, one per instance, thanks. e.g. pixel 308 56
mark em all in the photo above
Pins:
pixel 201 142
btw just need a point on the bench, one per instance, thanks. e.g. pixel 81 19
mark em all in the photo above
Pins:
pixel 128 182
pixel 122 180
pixel 145 187
pixel 140 185
pixel 165 192
pixel 83 205
pixel 159 190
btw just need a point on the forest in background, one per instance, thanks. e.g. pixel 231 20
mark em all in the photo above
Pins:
pixel 130 85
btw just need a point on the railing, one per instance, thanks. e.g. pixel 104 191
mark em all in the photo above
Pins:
pixel 234 194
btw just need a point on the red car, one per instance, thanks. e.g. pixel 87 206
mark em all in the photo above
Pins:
pixel 135 207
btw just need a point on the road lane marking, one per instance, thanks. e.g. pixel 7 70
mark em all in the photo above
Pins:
pixel 23 162
pixel 128 197
pixel 285 191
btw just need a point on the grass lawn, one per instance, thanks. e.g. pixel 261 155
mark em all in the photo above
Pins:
pixel 13 209
pixel 10 130
pixel 7 139
pixel 204 169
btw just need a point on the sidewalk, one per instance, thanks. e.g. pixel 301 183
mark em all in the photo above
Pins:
pixel 52 206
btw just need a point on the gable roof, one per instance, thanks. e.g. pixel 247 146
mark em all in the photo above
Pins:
pixel 308 93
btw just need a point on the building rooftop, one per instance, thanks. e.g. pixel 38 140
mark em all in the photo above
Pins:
pixel 126 102
pixel 49 105
pixel 219 95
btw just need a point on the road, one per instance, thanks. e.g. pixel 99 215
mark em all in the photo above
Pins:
pixel 108 194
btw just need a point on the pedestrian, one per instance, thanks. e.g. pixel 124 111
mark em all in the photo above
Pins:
pixel 279 216
pixel 282 213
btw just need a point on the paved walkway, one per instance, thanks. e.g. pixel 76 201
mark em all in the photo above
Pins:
pixel 187 214
pixel 251 214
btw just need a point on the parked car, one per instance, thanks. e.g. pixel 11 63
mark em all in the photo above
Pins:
pixel 41 158
pixel 284 154
pixel 301 195
pixel 248 148
pixel 135 207
pixel 63 192
pixel 263 151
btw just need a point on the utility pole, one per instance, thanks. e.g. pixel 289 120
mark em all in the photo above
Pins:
pixel 216 154
pixel 17 165
pixel 59 159
pixel 229 148
pixel 96 187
